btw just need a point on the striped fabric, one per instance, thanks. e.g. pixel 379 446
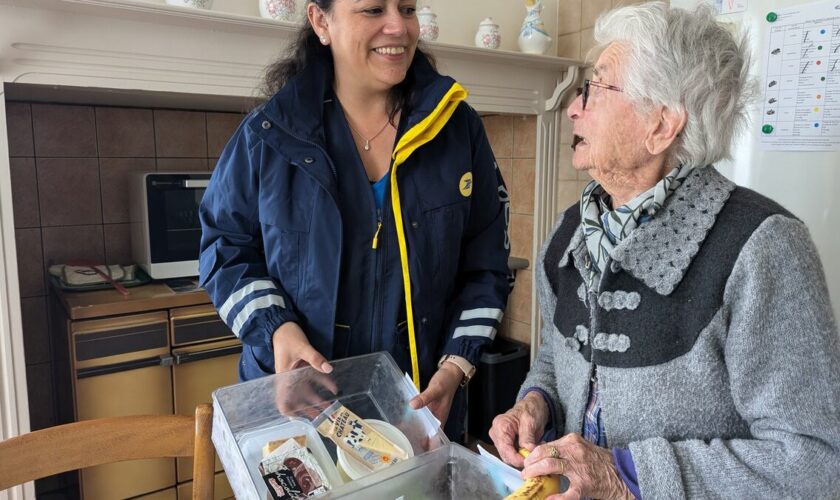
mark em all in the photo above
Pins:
pixel 251 297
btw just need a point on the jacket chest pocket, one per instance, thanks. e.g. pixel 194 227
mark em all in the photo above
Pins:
pixel 445 230
pixel 285 214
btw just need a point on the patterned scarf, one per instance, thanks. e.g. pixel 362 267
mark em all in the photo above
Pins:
pixel 603 228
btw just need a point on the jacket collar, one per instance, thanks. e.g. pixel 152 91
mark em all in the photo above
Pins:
pixel 658 253
pixel 298 106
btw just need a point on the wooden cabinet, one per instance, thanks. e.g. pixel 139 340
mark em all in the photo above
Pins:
pixel 153 352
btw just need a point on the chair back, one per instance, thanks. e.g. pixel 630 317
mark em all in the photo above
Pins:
pixel 78 445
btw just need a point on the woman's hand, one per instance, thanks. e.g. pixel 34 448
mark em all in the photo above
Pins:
pixel 589 468
pixel 526 422
pixel 293 350
pixel 440 392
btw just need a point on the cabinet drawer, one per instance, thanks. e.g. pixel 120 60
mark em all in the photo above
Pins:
pixel 119 341
pixel 197 324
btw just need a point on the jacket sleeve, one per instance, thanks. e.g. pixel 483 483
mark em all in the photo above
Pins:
pixel 542 377
pixel 232 263
pixel 484 280
pixel 782 355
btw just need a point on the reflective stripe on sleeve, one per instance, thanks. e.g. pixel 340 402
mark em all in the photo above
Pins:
pixel 483 313
pixel 475 331
pixel 240 294
pixel 254 305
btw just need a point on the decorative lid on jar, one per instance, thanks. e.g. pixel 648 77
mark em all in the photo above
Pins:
pixel 488 35
pixel 428 24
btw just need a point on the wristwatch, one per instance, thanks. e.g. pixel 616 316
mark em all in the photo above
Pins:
pixel 462 363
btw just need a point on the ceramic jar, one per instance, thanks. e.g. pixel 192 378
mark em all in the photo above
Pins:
pixel 533 38
pixel 198 4
pixel 428 24
pixel 488 35
pixel 279 10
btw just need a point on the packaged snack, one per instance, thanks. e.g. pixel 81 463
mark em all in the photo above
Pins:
pixel 357 438
pixel 273 445
pixel 291 472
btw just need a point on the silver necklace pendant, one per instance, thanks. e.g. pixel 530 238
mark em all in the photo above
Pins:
pixel 367 145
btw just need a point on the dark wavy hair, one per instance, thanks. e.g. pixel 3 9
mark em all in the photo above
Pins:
pixel 307 47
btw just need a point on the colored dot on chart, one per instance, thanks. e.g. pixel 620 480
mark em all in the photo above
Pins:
pixel 822 32
pixel 822 78
pixel 819 47
pixel 816 125
pixel 816 110
pixel 819 62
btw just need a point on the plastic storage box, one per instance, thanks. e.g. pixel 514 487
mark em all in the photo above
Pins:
pixel 248 415
pixel 450 472
pixel 498 377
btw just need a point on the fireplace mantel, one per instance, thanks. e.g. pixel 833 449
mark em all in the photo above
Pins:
pixel 131 52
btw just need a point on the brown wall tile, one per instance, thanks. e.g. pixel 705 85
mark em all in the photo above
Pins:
pixel 521 235
pixel 568 16
pixel 180 134
pixel 63 131
pixel 569 46
pixel 69 243
pixel 19 126
pixel 118 244
pixel 41 396
pixel 500 134
pixel 591 10
pixel 520 331
pixel 25 192
pixel 68 191
pixel 115 174
pixel 525 136
pixel 519 303
pixel 521 186
pixel 30 262
pixel 587 46
pixel 568 194
pixel 36 338
pixel 220 127
pixel 181 164
pixel 506 168
pixel 125 132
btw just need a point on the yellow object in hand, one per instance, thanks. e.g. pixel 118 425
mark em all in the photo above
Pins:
pixel 537 487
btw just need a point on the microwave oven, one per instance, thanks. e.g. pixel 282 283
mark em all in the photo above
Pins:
pixel 165 230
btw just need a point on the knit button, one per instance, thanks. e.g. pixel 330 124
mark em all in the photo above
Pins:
pixel 415 224
pixel 308 160
pixel 266 124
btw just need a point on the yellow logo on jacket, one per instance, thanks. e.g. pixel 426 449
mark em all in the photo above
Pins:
pixel 465 184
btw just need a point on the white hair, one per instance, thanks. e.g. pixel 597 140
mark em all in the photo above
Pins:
pixel 686 61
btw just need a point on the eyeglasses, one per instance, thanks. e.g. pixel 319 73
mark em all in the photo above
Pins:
pixel 584 91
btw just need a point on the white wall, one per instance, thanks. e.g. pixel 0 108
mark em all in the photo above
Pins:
pixel 458 19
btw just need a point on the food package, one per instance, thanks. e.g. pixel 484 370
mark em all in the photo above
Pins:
pixel 291 472
pixel 357 438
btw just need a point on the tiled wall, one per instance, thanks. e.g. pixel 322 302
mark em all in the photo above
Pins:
pixel 513 139
pixel 69 171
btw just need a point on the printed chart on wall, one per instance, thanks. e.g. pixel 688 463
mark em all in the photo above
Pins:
pixel 801 107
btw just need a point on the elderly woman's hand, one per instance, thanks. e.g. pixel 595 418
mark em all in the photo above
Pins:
pixel 526 422
pixel 589 468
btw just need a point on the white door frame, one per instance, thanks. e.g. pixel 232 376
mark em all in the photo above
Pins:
pixel 14 405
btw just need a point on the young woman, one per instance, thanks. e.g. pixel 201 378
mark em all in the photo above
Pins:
pixel 359 210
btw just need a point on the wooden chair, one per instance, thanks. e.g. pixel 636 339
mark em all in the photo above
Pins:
pixel 100 441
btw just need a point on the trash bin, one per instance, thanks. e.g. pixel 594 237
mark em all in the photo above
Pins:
pixel 498 377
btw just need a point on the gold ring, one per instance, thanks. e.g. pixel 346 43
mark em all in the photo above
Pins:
pixel 552 452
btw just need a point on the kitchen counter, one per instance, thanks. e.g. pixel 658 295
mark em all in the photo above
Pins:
pixel 154 296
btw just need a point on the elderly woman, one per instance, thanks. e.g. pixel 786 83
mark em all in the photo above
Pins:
pixel 689 349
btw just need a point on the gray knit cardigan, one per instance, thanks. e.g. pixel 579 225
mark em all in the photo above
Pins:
pixel 717 355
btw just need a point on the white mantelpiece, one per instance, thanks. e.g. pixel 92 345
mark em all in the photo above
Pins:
pixel 125 52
